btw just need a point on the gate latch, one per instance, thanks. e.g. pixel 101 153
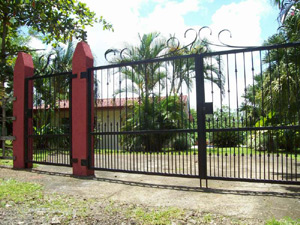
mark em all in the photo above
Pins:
pixel 208 108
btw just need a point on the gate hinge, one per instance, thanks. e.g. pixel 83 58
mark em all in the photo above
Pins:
pixel 74 160
pixel 29 113
pixel 83 75
pixel 73 76
pixel 84 162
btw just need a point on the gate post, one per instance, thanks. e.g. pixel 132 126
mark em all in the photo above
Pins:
pixel 200 95
pixel 82 60
pixel 23 68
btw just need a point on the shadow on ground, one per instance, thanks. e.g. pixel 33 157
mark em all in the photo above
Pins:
pixel 295 189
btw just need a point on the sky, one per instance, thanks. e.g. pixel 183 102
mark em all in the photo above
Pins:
pixel 250 21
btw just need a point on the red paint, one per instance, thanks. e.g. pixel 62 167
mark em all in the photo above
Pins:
pixel 82 60
pixel 23 68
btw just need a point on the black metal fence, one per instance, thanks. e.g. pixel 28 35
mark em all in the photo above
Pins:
pixel 50 116
pixel 230 115
pixel 253 133
pixel 142 117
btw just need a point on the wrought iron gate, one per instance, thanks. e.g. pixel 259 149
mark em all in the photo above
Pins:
pixel 50 116
pixel 229 115
pixel 254 132
pixel 142 117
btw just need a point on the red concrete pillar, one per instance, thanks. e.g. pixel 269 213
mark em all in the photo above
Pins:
pixel 23 68
pixel 82 60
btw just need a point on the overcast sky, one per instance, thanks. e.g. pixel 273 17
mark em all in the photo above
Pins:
pixel 250 21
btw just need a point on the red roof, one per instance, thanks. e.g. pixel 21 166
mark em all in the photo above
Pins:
pixel 105 103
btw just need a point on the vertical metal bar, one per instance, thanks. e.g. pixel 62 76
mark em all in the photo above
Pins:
pixel 245 172
pixel 26 122
pixel 70 120
pixel 237 116
pixel 120 120
pixel 89 117
pixel 200 97
pixel 3 124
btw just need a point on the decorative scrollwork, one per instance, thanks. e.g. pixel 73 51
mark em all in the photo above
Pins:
pixel 173 44
pixel 171 47
pixel 219 36
pixel 108 51
pixel 191 45
pixel 123 52
pixel 43 70
pixel 201 30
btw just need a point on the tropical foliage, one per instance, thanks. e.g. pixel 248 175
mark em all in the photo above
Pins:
pixel 149 115
pixel 54 22
pixel 222 119
pixel 159 87
pixel 273 99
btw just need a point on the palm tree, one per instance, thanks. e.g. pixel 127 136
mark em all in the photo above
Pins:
pixel 184 71
pixel 51 91
pixel 285 7
pixel 56 61
pixel 144 77
pixel 159 86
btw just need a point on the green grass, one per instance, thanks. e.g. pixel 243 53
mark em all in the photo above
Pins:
pixel 284 221
pixel 142 215
pixel 10 163
pixel 14 192
pixel 207 218
pixel 158 216
pixel 6 162
pixel 30 196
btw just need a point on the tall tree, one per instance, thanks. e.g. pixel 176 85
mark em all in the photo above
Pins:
pixel 58 21
pixel 148 76
pixel 273 99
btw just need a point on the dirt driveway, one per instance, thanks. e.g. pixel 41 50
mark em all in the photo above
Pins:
pixel 242 200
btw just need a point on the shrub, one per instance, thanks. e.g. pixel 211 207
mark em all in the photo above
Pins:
pixel 182 143
pixel 153 114
pixel 227 139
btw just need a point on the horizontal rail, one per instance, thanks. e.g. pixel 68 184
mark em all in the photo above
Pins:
pixel 49 163
pixel 7 138
pixel 142 62
pixel 8 118
pixel 255 180
pixel 251 49
pixel 6 157
pixel 48 76
pixel 253 128
pixel 147 173
pixel 48 135
pixel 196 130
pixel 145 132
